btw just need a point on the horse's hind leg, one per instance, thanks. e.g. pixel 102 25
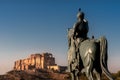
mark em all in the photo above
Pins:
pixel 89 68
pixel 98 75
pixel 98 72
pixel 88 72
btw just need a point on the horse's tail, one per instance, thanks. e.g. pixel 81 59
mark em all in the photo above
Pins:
pixel 104 57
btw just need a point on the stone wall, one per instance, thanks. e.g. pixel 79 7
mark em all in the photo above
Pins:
pixel 35 61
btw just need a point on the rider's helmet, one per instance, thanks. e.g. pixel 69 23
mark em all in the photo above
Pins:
pixel 80 14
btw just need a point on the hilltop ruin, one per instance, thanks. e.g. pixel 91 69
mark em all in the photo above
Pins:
pixel 38 61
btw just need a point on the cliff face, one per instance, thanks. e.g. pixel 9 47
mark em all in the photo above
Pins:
pixel 35 61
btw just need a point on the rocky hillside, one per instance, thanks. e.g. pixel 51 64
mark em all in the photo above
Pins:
pixel 45 75
pixel 34 75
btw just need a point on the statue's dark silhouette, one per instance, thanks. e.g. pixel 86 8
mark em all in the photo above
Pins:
pixel 89 55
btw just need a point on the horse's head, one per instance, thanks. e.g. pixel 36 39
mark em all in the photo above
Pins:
pixel 70 35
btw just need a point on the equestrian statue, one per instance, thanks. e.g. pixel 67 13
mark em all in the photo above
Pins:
pixel 86 54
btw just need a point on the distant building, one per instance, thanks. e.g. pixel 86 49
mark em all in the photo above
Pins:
pixel 37 61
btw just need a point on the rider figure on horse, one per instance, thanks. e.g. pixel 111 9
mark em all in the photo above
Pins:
pixel 80 32
pixel 81 26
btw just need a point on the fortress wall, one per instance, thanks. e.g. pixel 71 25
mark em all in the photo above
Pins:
pixel 35 61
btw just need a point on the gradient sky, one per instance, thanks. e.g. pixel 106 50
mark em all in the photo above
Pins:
pixel 36 26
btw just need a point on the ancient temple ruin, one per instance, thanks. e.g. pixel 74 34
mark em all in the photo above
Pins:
pixel 37 61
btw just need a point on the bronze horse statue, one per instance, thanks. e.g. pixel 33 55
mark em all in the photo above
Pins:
pixel 92 58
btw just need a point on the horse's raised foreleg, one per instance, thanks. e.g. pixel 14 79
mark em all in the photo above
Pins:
pixel 72 76
pixel 76 74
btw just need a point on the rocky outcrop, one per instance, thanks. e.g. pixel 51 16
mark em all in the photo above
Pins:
pixel 35 61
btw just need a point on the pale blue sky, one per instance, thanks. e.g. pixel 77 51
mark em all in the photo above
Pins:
pixel 30 26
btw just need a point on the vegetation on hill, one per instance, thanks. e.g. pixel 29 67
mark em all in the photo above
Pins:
pixel 117 75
